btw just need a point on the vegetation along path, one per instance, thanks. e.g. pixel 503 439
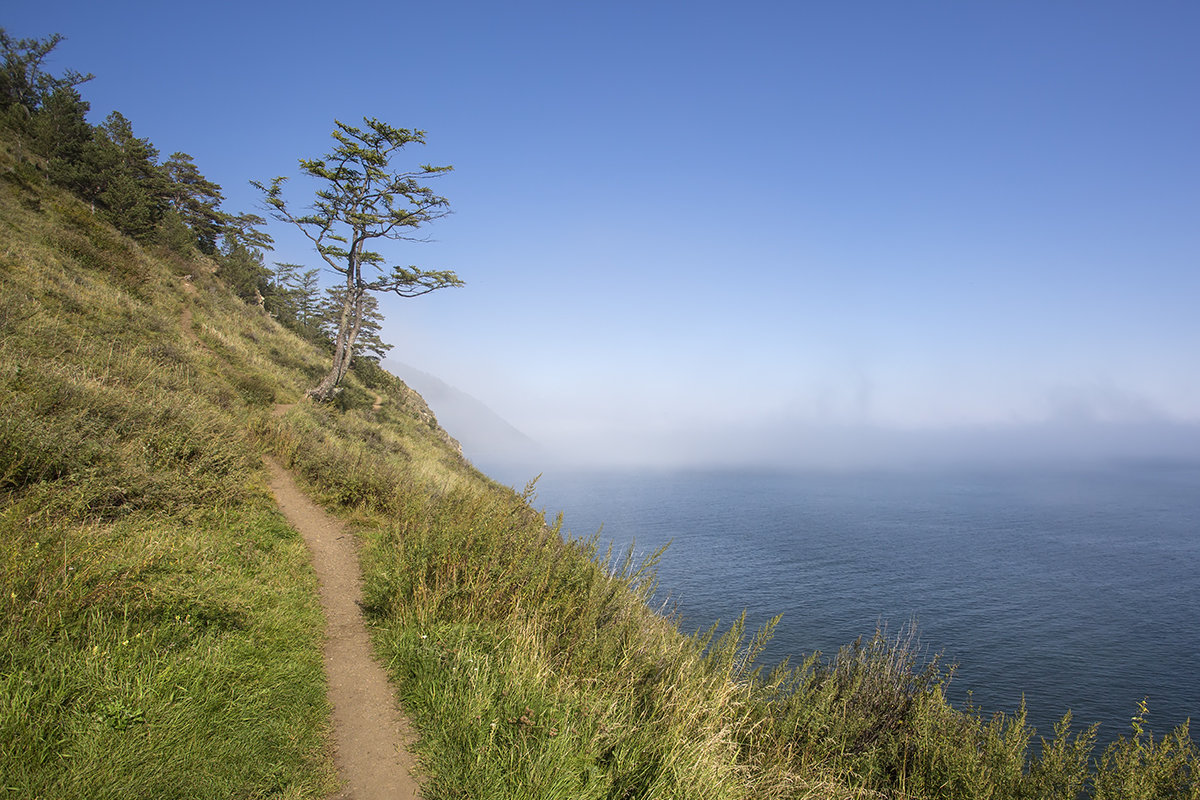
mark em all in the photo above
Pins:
pixel 370 735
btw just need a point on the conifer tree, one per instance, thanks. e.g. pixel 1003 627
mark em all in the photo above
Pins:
pixel 297 299
pixel 195 199
pixel 26 88
pixel 242 269
pixel 23 82
pixel 61 130
pixel 362 200
pixel 118 173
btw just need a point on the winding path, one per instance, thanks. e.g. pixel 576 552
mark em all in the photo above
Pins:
pixel 371 736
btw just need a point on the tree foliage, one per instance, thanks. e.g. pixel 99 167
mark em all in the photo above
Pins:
pixel 118 173
pixel 296 301
pixel 195 199
pixel 129 183
pixel 362 200
pixel 172 205
pixel 61 131
pixel 23 79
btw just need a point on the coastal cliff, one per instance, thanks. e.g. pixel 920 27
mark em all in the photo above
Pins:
pixel 160 631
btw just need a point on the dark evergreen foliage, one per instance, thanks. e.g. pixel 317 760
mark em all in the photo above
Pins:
pixel 195 199
pixel 242 269
pixel 133 189
pixel 61 130
pixel 22 79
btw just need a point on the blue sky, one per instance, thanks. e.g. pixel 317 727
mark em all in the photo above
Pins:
pixel 701 231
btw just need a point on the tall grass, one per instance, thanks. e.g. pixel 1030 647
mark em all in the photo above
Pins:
pixel 159 632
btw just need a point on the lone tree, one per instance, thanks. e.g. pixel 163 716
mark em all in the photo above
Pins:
pixel 363 199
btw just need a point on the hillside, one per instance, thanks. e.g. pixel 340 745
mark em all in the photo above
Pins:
pixel 160 625
pixel 160 630
pixel 486 437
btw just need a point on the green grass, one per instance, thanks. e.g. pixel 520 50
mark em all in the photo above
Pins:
pixel 159 629
pixel 163 662
pixel 534 667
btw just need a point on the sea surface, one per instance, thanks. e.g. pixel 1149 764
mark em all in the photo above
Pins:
pixel 1075 588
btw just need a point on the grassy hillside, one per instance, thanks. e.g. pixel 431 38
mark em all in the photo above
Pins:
pixel 158 636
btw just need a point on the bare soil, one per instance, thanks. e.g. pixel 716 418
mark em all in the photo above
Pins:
pixel 371 736
pixel 185 318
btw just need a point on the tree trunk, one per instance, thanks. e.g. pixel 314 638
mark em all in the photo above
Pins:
pixel 349 324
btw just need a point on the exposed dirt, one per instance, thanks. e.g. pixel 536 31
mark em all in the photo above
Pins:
pixel 371 736
pixel 185 324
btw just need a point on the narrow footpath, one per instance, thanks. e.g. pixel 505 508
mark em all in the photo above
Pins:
pixel 371 736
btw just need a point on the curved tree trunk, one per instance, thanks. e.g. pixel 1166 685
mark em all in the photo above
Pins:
pixel 349 324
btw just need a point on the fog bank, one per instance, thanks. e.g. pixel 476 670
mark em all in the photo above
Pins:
pixel 847 447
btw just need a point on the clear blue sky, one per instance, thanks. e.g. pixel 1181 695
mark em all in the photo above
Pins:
pixel 692 230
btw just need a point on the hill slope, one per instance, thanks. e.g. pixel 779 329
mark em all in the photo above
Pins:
pixel 486 437
pixel 160 632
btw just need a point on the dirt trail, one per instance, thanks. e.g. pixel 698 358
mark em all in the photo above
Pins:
pixel 370 734
pixel 185 317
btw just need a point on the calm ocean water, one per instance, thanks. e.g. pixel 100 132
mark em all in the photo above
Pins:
pixel 1079 589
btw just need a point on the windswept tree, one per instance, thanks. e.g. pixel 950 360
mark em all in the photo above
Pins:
pixel 363 200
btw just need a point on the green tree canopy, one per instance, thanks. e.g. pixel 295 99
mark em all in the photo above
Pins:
pixel 114 170
pixel 195 199
pixel 23 80
pixel 61 130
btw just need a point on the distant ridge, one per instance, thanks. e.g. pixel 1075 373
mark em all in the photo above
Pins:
pixel 485 436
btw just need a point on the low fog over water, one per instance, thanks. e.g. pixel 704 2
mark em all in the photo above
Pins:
pixel 720 426
pixel 850 448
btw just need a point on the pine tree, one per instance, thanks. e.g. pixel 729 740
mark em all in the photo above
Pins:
pixel 25 87
pixel 118 174
pixel 297 300
pixel 23 82
pixel 369 344
pixel 195 199
pixel 363 199
pixel 61 130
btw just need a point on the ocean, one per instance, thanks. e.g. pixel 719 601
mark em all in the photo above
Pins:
pixel 1076 588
